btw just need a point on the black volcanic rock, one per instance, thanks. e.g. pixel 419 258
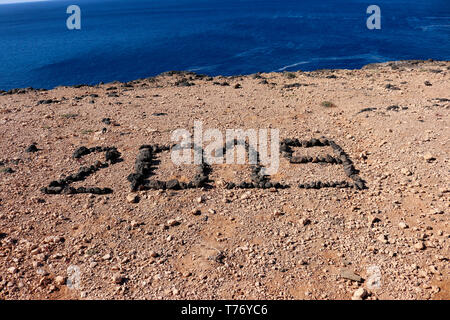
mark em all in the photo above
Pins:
pixel 173 184
pixel 112 155
pixel 8 170
pixel 32 148
pixel 80 152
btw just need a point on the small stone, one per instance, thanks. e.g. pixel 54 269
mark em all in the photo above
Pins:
pixel 304 221
pixel 172 222
pixel 440 257
pixel 435 289
pixel 278 213
pixel 132 198
pixel 403 225
pixel 443 190
pixel 106 257
pixel 32 148
pixel 12 270
pixel 372 219
pixel 359 294
pixel 436 211
pixel 382 238
pixel 246 195
pixel 200 199
pixel 118 279
pixel 153 254
pixel 134 223
pixel 302 262
pixel 419 246
pixel 350 275
pixel 434 269
pixel 406 172
pixel 428 157
pixel 59 280
pixel 196 212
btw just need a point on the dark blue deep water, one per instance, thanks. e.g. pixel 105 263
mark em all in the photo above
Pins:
pixel 129 39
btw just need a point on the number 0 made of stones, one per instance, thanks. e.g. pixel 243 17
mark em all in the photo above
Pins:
pixel 146 163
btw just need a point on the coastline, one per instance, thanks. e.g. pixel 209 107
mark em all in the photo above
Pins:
pixel 393 64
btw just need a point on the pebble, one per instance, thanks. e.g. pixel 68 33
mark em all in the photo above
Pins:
pixel 278 213
pixel 406 171
pixel 153 254
pixel 106 257
pixel 443 190
pixel 419 246
pixel 436 211
pixel 246 195
pixel 134 223
pixel 32 148
pixel 359 294
pixel 428 157
pixel 347 274
pixel 304 221
pixel 200 200
pixel 12 270
pixel 53 239
pixel 117 279
pixel 372 219
pixel 382 238
pixel 59 280
pixel 132 198
pixel 403 225
pixel 172 222
pixel 435 289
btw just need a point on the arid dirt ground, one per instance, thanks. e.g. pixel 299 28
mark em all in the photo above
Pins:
pixel 392 239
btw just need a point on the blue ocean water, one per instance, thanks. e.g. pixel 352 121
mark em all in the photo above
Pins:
pixel 130 39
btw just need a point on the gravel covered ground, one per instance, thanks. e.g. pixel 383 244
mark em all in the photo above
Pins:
pixel 389 241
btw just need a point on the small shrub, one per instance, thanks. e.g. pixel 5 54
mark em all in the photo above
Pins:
pixel 290 75
pixel 328 104
pixel 69 115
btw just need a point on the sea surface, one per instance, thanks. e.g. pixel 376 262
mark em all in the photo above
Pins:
pixel 130 39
